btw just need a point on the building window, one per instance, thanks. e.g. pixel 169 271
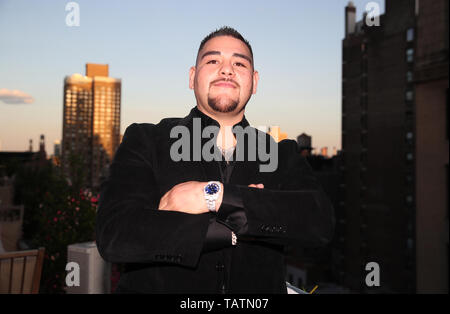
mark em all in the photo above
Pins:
pixel 410 243
pixel 409 199
pixel 410 55
pixel 409 137
pixel 408 179
pixel 447 112
pixel 409 95
pixel 409 76
pixel 410 34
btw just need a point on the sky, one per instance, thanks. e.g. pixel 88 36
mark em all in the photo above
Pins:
pixel 150 46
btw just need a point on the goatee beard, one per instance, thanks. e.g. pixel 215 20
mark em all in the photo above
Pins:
pixel 231 106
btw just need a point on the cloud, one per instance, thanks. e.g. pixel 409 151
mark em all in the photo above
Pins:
pixel 15 97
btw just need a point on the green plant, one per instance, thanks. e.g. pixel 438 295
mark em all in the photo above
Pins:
pixel 57 213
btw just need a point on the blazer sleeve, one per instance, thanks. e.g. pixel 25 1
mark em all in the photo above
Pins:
pixel 299 212
pixel 218 236
pixel 129 226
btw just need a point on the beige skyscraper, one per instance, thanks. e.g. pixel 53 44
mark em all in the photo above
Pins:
pixel 91 121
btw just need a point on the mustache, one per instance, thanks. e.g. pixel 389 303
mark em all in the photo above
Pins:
pixel 225 81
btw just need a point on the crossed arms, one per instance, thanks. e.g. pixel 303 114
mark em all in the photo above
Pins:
pixel 135 225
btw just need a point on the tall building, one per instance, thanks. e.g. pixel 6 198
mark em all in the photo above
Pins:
pixel 385 214
pixel 431 142
pixel 376 216
pixel 276 133
pixel 91 121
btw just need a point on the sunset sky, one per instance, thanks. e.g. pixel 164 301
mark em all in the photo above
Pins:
pixel 150 45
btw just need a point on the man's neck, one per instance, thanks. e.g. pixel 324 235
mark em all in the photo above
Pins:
pixel 225 138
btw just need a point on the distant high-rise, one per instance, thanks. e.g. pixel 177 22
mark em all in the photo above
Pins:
pixel 56 157
pixel 276 133
pixel 304 142
pixel 57 149
pixel 91 121
pixel 394 148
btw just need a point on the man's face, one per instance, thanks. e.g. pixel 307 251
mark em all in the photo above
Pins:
pixel 223 79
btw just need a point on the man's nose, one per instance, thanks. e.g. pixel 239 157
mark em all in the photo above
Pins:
pixel 227 69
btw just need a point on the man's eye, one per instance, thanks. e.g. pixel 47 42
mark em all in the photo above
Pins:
pixel 215 61
pixel 240 64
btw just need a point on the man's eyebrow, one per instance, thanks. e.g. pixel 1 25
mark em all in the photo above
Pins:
pixel 243 56
pixel 240 55
pixel 210 53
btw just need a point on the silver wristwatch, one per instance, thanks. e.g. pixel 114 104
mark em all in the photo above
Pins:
pixel 211 191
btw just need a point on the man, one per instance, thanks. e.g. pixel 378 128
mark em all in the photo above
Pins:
pixel 209 226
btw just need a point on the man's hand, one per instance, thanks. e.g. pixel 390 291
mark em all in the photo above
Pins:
pixel 188 197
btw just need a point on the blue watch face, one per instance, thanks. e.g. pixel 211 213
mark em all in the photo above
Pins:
pixel 212 188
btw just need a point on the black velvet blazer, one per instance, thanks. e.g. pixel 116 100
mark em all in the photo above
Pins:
pixel 171 252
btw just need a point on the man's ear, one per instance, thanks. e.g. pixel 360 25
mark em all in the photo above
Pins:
pixel 191 77
pixel 255 81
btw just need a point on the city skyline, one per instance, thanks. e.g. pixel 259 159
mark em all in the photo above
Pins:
pixel 299 90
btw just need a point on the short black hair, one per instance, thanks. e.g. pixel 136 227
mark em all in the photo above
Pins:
pixel 225 31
